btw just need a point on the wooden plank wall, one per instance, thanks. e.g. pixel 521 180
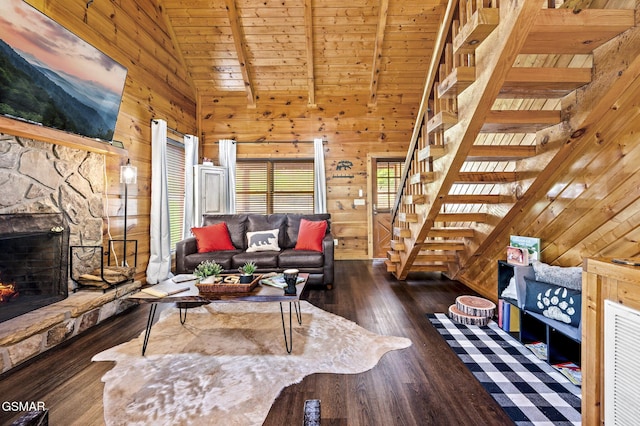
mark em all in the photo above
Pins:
pixel 157 87
pixel 350 128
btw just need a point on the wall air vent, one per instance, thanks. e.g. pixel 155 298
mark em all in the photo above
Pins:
pixel 621 364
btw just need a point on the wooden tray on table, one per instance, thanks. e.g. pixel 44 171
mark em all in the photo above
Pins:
pixel 226 285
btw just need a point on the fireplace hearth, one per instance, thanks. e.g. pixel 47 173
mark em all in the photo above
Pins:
pixel 33 262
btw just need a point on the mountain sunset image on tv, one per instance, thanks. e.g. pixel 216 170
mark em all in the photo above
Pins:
pixel 51 77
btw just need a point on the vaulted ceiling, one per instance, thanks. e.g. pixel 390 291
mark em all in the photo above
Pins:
pixel 373 48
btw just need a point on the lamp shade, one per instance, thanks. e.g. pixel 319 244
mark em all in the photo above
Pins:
pixel 128 174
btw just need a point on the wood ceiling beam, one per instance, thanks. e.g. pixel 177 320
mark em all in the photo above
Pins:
pixel 377 52
pixel 239 43
pixel 308 33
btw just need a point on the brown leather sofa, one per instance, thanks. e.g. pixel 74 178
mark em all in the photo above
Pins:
pixel 319 265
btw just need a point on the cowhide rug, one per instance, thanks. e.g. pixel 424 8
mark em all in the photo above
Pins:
pixel 227 363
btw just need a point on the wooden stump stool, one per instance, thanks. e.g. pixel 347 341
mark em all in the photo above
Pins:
pixel 472 310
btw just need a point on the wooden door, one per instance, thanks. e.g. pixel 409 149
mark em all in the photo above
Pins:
pixel 384 187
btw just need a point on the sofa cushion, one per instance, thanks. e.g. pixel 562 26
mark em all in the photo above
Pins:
pixel 260 222
pixel 237 225
pixel 264 260
pixel 221 257
pixel 213 238
pixel 291 258
pixel 555 302
pixel 293 226
pixel 263 240
pixel 311 234
pixel 570 277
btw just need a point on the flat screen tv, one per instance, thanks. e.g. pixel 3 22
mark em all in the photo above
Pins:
pixel 51 77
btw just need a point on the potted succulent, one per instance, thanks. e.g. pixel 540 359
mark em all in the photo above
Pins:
pixel 246 272
pixel 208 272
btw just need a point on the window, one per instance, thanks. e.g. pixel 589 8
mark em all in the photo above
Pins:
pixel 388 174
pixel 274 186
pixel 175 183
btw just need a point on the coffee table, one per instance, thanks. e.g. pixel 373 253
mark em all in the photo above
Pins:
pixel 192 298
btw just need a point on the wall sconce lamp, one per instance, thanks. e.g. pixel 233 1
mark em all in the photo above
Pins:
pixel 128 176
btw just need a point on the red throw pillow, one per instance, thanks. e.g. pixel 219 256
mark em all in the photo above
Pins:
pixel 213 238
pixel 311 234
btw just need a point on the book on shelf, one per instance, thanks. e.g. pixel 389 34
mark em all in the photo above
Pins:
pixel 278 281
pixel 517 256
pixel 165 289
pixel 539 349
pixel 514 318
pixel 529 244
pixel 508 316
pixel 571 371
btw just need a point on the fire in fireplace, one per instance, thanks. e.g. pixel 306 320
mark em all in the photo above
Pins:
pixel 33 262
pixel 7 292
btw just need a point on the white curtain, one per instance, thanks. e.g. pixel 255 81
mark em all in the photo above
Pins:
pixel 159 267
pixel 320 182
pixel 190 160
pixel 227 157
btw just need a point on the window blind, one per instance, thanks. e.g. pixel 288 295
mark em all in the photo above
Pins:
pixel 274 186
pixel 175 184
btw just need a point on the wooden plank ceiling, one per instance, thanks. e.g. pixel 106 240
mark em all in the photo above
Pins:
pixel 305 47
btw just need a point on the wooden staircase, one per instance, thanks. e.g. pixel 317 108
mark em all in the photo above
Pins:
pixel 497 87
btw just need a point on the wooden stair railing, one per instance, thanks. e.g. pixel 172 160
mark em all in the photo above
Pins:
pixel 443 199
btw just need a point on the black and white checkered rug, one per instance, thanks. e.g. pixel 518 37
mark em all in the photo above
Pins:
pixel 529 390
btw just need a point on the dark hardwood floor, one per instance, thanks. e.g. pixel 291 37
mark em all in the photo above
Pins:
pixel 425 384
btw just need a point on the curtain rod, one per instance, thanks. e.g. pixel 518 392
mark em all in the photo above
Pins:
pixel 267 142
pixel 171 129
pixel 177 132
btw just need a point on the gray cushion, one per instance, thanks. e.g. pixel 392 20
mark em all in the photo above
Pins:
pixel 222 257
pixel 569 277
pixel 264 260
pixel 291 258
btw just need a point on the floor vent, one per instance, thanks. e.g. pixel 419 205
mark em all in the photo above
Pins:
pixel 621 364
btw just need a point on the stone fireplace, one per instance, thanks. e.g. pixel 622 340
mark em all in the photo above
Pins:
pixel 43 178
pixel 42 181
pixel 33 262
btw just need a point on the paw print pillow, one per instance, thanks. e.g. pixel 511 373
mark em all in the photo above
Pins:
pixel 553 301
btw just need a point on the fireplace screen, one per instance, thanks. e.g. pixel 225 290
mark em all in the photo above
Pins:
pixel 33 262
